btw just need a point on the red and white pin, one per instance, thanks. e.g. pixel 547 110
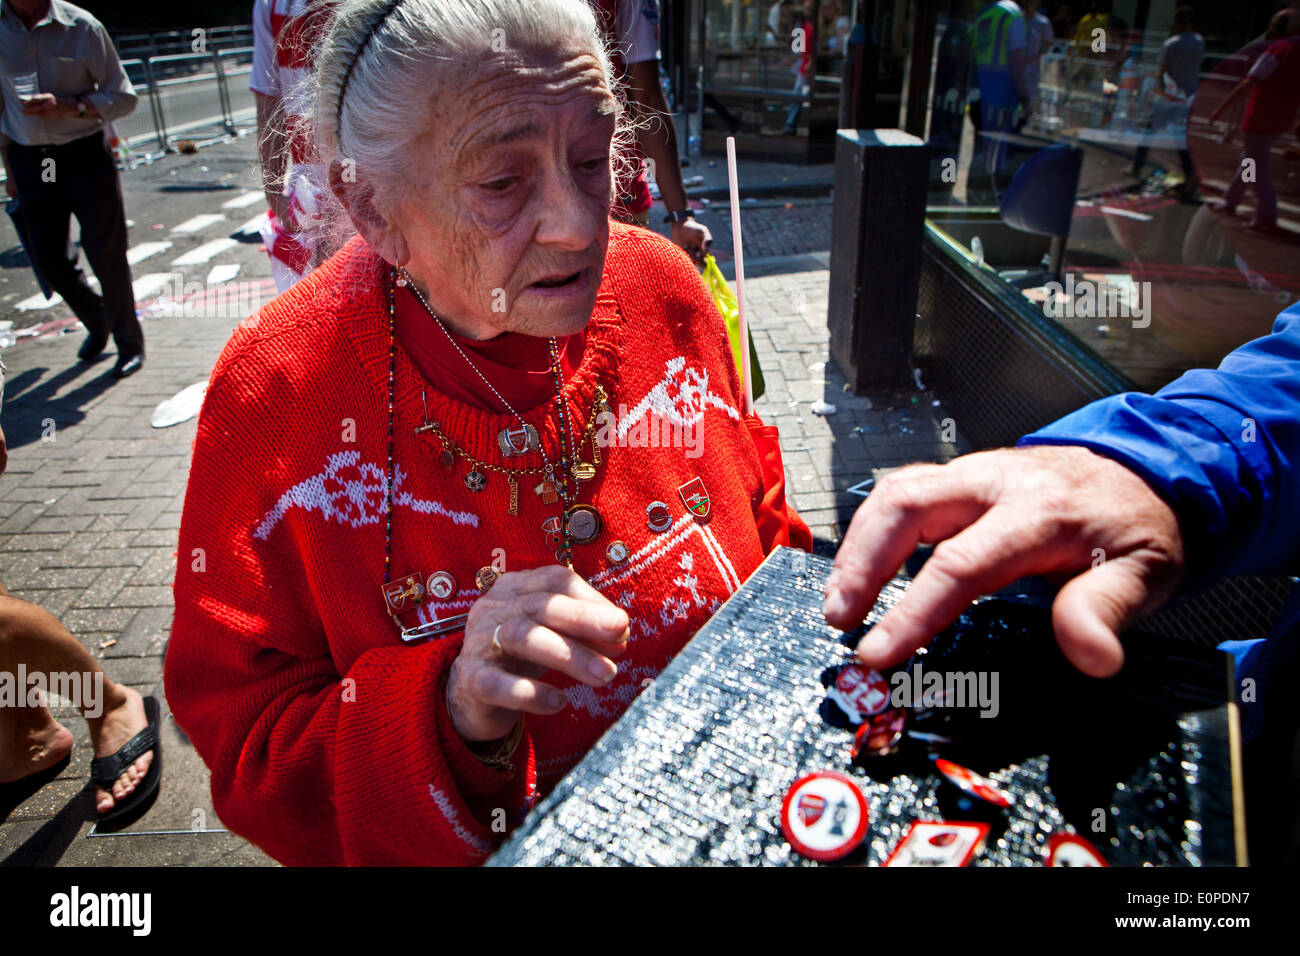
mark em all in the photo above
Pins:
pixel 973 783
pixel 403 593
pixel 695 497
pixel 1070 849
pixel 860 692
pixel 824 816
pixel 938 843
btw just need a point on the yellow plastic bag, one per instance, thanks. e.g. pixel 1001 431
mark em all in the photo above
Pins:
pixel 727 305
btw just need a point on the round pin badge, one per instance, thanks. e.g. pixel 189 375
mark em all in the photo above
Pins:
pixel 1070 849
pixel 824 816
pixel 973 783
pixel 879 735
pixel 485 577
pixel 442 585
pixel 859 692
pixel 584 523
pixel 616 552
pixel 657 517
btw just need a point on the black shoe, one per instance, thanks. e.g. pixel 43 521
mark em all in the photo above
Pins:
pixel 91 348
pixel 128 365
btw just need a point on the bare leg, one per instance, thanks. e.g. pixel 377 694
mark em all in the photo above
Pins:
pixel 30 738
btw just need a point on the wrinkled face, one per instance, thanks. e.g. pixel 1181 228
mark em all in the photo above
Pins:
pixel 506 221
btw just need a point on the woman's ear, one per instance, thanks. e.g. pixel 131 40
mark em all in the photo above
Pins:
pixel 358 198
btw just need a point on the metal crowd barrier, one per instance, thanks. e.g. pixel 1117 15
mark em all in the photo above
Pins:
pixel 202 97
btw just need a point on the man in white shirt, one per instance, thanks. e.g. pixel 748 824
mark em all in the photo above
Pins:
pixel 62 83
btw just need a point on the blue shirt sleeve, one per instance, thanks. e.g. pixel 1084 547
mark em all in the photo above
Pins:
pixel 1221 446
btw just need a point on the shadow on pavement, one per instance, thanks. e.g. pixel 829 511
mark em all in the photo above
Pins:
pixel 26 412
pixel 47 845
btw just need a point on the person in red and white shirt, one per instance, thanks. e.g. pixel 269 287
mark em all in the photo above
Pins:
pixel 1273 87
pixel 284 34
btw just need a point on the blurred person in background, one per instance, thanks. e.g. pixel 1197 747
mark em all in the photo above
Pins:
pixel 1178 72
pixel 806 67
pixel 1063 22
pixel 998 47
pixel 780 21
pixel 631 27
pixel 62 83
pixel 1038 39
pixel 285 33
pixel 1272 92
pixel 1085 58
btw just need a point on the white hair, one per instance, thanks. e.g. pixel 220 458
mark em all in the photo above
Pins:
pixel 382 56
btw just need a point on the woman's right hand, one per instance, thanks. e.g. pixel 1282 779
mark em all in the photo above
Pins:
pixel 544 619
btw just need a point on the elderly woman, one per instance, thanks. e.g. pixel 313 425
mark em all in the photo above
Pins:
pixel 484 380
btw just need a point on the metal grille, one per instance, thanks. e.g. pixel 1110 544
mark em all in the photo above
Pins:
pixel 1236 609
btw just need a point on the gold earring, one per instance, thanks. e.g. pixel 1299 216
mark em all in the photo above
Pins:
pixel 402 278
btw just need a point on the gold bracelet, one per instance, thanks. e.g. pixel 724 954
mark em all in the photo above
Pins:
pixel 501 759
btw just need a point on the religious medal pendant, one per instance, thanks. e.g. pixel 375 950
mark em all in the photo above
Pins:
pixel 518 441
pixel 513 507
pixel 475 480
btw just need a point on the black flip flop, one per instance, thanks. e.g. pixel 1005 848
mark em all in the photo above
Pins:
pixel 104 772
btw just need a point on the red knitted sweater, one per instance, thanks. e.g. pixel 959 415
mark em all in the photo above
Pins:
pixel 329 741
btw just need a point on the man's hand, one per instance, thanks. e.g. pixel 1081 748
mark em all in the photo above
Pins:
pixel 694 237
pixel 997 516
pixel 51 106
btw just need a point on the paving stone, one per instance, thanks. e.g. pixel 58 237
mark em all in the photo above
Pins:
pixel 95 621
pixel 105 587
pixel 156 595
pixel 159 567
pixel 144 635
pixel 155 538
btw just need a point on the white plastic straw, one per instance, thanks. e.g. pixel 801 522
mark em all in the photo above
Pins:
pixel 745 380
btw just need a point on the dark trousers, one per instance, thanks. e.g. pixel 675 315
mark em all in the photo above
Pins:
pixel 79 179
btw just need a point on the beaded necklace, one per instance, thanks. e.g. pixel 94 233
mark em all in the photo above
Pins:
pixel 569 472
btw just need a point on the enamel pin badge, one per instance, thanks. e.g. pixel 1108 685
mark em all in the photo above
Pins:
pixel 518 441
pixel 403 593
pixel 695 497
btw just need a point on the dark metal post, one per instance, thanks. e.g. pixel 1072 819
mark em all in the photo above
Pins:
pixel 876 232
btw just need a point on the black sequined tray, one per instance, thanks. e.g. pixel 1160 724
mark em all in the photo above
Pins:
pixel 695 771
